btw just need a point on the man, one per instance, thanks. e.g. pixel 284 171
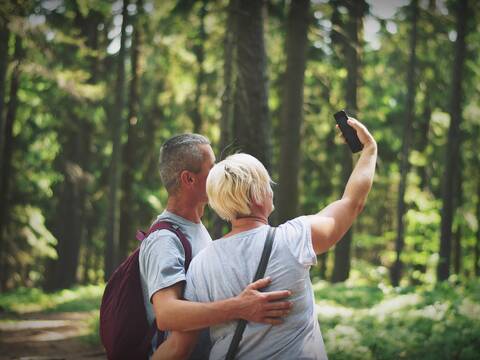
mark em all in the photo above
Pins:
pixel 185 161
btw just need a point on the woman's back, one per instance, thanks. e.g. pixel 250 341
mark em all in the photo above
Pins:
pixel 225 268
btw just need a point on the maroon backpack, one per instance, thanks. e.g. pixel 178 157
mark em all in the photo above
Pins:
pixel 124 330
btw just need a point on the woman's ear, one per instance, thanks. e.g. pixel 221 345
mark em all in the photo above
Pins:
pixel 257 203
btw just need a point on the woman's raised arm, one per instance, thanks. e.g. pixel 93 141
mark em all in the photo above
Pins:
pixel 331 223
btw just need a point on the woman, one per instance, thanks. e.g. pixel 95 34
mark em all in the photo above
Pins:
pixel 239 191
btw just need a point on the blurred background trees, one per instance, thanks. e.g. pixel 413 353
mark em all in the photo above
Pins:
pixel 89 90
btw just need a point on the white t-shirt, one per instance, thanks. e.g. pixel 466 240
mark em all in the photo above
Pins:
pixel 228 265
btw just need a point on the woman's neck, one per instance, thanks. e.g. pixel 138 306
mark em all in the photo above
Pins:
pixel 246 223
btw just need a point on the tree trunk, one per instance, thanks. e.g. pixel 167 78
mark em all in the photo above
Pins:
pixel 292 114
pixel 457 259
pixel 251 114
pixel 130 157
pixel 199 51
pixel 396 271
pixel 424 132
pixel 87 258
pixel 152 123
pixel 74 163
pixel 69 216
pixel 341 269
pixel 229 76
pixel 7 168
pixel 342 252
pixel 453 146
pixel 425 123
pixel 476 265
pixel 117 126
pixel 328 189
pixel 4 37
pixel 336 33
pixel 97 261
pixel 338 45
pixel 91 32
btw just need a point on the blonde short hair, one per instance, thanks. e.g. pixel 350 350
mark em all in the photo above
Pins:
pixel 235 183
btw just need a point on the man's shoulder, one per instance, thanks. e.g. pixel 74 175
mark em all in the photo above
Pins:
pixel 160 239
pixel 162 249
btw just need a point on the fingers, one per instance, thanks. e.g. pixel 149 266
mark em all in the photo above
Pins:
pixel 279 305
pixel 260 284
pixel 357 125
pixel 353 123
pixel 277 295
pixel 362 131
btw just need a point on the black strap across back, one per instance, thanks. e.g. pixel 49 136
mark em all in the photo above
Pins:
pixel 262 266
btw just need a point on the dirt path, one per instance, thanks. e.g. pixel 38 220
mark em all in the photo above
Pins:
pixel 53 336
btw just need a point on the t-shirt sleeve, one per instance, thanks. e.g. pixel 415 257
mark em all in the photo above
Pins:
pixel 162 260
pixel 296 234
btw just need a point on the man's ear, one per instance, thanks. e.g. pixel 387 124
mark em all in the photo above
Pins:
pixel 186 178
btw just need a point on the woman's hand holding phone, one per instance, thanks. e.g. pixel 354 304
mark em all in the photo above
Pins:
pixel 356 135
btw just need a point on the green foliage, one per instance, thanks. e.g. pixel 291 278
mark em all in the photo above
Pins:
pixel 440 322
pixel 24 300
pixel 351 296
pixel 93 336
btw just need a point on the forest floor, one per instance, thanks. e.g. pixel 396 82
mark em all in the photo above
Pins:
pixel 359 321
pixel 59 325
pixel 55 336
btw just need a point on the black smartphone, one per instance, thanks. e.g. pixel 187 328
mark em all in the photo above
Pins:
pixel 348 132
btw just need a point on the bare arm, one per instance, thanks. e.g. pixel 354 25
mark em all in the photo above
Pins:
pixel 173 313
pixel 178 346
pixel 331 223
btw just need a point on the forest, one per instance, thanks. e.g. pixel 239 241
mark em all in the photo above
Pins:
pixel 89 91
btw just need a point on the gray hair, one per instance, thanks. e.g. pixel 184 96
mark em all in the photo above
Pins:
pixel 180 152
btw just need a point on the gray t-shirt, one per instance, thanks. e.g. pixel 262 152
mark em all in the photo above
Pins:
pixel 162 260
pixel 228 265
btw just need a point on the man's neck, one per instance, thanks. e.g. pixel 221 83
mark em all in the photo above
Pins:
pixel 187 209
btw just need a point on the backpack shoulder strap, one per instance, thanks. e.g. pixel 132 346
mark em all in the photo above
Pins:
pixel 167 225
pixel 141 235
pixel 262 266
